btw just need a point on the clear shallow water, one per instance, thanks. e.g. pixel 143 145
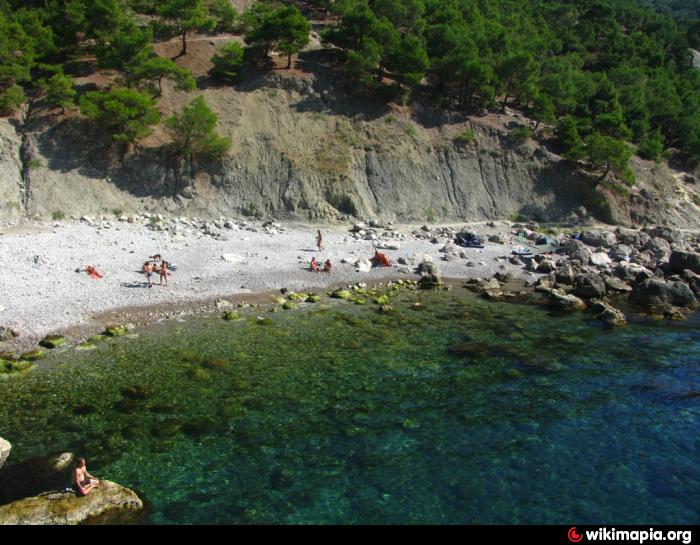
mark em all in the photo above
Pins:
pixel 463 412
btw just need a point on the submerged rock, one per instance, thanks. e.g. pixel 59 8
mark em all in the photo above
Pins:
pixel 52 341
pixel 607 314
pixel 231 315
pixel 341 294
pixel 116 330
pixel 109 499
pixel 34 355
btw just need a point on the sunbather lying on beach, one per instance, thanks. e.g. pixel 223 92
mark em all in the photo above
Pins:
pixel 92 271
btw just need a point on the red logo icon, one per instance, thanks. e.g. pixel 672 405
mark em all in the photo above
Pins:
pixel 574 536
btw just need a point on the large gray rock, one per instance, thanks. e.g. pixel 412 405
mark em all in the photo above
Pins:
pixel 565 302
pixel 589 285
pixel 654 292
pixel 659 247
pixel 11 180
pixel 598 239
pixel 621 251
pixel 109 500
pixel 607 314
pixel 673 236
pixel 612 283
pixel 5 448
pixel 685 260
pixel 693 281
pixel 600 259
pixel 635 239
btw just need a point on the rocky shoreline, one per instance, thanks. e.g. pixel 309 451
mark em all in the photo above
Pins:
pixel 656 269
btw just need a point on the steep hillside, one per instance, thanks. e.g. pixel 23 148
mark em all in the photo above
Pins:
pixel 303 147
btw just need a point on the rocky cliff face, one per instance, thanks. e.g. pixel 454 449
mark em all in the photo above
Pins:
pixel 11 169
pixel 303 150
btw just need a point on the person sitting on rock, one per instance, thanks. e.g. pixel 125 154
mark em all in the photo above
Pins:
pixel 314 265
pixel 84 482
pixel 327 266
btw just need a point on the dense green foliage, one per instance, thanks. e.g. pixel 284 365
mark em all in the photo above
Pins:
pixel 588 72
pixel 59 91
pixel 194 133
pixel 282 27
pixel 127 114
pixel 186 15
pixel 227 62
pixel 615 68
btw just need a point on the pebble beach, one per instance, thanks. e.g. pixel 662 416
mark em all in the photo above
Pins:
pixel 43 289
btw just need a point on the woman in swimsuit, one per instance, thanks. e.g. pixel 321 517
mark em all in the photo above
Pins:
pixel 164 272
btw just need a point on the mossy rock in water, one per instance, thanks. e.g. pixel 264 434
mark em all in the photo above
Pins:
pixel 52 341
pixel 167 428
pixel 382 300
pixel 231 315
pixel 198 427
pixel 137 391
pixel 430 282
pixel 298 297
pixel 215 364
pixel 96 338
pixel 514 373
pixel 85 346
pixel 198 374
pixel 359 301
pixel 126 405
pixel 34 355
pixel 313 298
pixel 163 408
pixel 264 321
pixel 116 330
pixel 289 305
pixel 189 356
pixel 361 291
pixel 14 366
pixel 417 306
pixel 341 294
pixel 386 309
pixel 82 410
pixel 279 300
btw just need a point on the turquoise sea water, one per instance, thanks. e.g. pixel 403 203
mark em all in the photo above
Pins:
pixel 466 411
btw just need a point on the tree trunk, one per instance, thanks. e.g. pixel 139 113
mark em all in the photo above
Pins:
pixel 537 125
pixel 289 60
pixel 160 86
pixel 184 43
pixel 505 99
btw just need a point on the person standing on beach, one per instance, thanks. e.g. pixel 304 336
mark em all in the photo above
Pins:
pixel 319 240
pixel 164 272
pixel 148 269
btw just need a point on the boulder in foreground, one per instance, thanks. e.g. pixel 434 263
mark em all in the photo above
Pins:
pixel 109 500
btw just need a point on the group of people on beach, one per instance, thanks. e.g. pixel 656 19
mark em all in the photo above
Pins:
pixel 315 265
pixel 156 265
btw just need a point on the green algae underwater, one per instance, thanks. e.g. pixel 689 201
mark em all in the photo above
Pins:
pixel 460 411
